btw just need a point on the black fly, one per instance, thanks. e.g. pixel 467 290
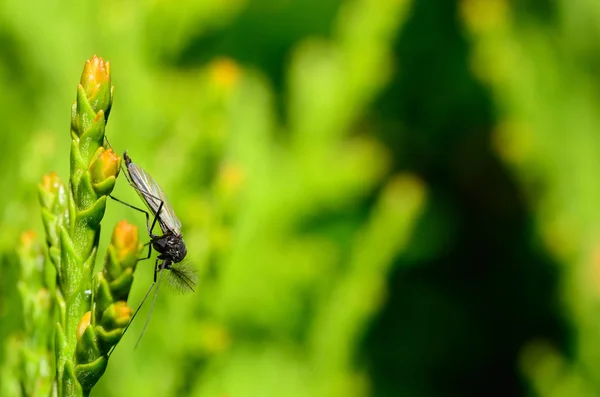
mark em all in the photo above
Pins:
pixel 170 245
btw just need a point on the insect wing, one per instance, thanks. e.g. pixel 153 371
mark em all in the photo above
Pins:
pixel 152 194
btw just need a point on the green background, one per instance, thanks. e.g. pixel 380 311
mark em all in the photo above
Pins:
pixel 381 197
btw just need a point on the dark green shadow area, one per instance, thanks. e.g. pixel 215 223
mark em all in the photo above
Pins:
pixel 477 285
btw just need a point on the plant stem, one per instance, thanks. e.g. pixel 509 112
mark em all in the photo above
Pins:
pixel 93 173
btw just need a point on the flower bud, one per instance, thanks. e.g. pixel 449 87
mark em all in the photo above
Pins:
pixel 123 313
pixel 104 168
pixel 95 81
pixel 126 242
pixel 116 316
pixel 83 324
pixel 29 251
pixel 52 191
pixel 51 182
pixel 105 164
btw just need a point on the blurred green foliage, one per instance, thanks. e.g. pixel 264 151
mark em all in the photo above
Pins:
pixel 381 197
pixel 542 72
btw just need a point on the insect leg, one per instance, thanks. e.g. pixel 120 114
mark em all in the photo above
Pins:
pixel 148 195
pixel 122 167
pixel 155 269
pixel 132 317
pixel 149 312
pixel 107 142
pixel 157 213
pixel 149 244
pixel 137 209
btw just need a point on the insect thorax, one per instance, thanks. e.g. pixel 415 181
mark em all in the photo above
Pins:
pixel 170 247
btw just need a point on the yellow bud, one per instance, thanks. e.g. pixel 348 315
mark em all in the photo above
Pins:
pixel 105 164
pixel 123 312
pixel 51 182
pixel 95 73
pixel 126 241
pixel 83 324
pixel 52 191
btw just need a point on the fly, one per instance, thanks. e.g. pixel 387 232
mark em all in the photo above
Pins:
pixel 170 246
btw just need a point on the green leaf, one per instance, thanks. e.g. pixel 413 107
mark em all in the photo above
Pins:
pixel 105 187
pixel 121 286
pixel 86 350
pixel 92 216
pixel 70 384
pixel 89 374
pixel 107 339
pixel 85 115
pixel 103 296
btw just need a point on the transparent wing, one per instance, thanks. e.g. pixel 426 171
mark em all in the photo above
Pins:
pixel 144 182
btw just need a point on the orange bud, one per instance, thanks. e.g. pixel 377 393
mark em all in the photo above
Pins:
pixel 52 191
pixel 126 241
pixel 123 312
pixel 104 165
pixel 83 324
pixel 32 263
pixel 51 182
pixel 95 73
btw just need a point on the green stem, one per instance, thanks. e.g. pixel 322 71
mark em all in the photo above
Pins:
pixel 93 173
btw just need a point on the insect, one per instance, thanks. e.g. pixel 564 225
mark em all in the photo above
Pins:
pixel 170 245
